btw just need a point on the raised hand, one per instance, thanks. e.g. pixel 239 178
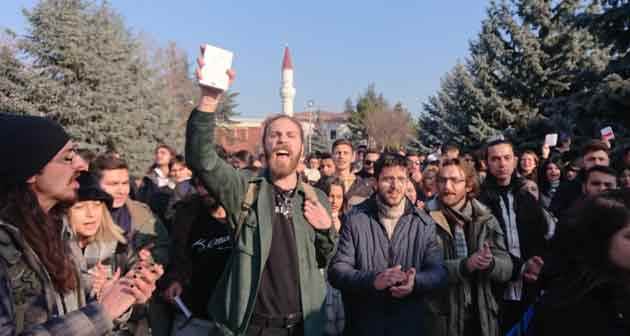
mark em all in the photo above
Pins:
pixel 317 215
pixel 209 96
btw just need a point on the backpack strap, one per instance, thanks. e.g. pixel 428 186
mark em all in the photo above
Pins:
pixel 246 206
pixel 310 193
pixel 250 197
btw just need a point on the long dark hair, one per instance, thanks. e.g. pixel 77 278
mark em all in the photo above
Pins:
pixel 585 244
pixel 544 182
pixel 42 232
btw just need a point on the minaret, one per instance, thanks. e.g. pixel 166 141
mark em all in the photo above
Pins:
pixel 287 91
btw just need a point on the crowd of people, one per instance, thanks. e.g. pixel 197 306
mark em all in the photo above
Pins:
pixel 500 241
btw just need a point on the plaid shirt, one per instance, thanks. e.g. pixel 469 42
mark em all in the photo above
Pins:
pixel 29 304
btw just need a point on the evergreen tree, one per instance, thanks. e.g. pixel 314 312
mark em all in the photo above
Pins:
pixel 446 115
pixel 320 141
pixel 610 21
pixel 93 76
pixel 529 57
pixel 14 78
pixel 226 109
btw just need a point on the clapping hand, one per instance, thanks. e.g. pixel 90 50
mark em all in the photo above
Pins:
pixel 480 260
pixel 406 288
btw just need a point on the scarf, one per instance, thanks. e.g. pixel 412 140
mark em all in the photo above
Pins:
pixel 460 222
pixel 514 289
pixel 389 215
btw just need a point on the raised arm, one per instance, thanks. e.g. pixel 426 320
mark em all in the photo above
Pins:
pixel 221 179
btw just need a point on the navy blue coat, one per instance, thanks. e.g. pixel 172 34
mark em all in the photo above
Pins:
pixel 364 250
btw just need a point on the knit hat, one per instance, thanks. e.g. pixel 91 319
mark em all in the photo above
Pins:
pixel 90 190
pixel 27 144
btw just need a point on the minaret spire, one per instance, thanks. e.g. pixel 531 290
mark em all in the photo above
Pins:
pixel 287 91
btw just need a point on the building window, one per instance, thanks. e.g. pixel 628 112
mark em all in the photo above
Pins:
pixel 333 134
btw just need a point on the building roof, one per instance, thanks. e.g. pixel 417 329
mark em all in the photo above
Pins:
pixel 324 116
pixel 286 61
pixel 240 122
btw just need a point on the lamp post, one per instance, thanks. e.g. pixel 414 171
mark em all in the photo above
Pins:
pixel 309 104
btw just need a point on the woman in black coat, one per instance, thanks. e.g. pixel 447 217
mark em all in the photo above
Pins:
pixel 592 297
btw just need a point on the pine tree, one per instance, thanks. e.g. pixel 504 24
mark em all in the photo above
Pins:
pixel 610 21
pixel 529 56
pixel 226 109
pixel 446 116
pixel 320 141
pixel 14 78
pixel 606 103
pixel 91 74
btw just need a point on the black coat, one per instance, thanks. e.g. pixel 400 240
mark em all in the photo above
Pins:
pixel 599 312
pixel 530 222
pixel 568 193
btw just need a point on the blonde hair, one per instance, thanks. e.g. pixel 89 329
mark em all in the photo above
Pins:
pixel 108 231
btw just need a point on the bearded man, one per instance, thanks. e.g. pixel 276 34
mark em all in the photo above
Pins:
pixel 272 284
pixel 388 258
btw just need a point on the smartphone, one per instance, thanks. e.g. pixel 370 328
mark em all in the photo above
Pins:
pixel 134 258
pixel 217 62
pixel 607 133
pixel 551 140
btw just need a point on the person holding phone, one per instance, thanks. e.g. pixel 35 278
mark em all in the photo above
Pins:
pixel 40 288
pixel 475 255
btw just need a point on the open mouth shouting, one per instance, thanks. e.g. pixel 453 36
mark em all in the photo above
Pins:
pixel 282 155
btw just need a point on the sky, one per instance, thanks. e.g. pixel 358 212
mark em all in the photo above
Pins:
pixel 338 47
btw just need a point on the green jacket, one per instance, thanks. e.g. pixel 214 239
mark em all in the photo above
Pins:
pixel 235 296
pixel 447 311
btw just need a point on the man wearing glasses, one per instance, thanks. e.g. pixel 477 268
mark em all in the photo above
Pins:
pixel 475 255
pixel 414 165
pixel 387 259
pixel 371 157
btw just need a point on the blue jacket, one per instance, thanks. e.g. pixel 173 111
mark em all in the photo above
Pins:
pixel 364 250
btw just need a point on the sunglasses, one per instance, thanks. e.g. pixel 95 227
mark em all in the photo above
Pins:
pixel 369 162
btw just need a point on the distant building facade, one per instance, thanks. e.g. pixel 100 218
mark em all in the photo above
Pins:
pixel 239 134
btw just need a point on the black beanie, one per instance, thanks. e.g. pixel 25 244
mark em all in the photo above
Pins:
pixel 27 144
pixel 90 190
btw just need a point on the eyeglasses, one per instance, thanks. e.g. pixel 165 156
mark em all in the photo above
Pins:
pixel 445 180
pixel 68 157
pixel 368 162
pixel 390 180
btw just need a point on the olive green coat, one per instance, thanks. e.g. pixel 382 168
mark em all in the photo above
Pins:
pixel 447 311
pixel 235 296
